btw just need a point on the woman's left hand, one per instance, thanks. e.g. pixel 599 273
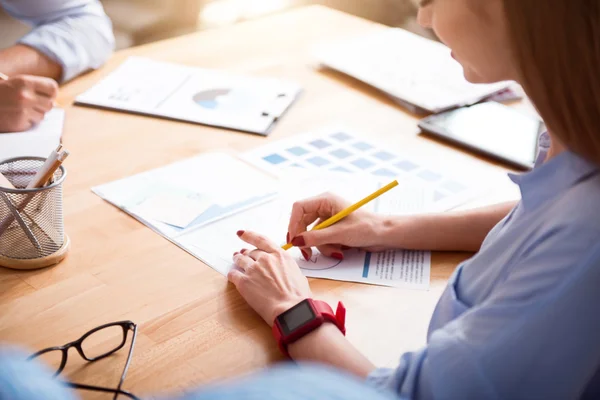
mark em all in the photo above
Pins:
pixel 268 278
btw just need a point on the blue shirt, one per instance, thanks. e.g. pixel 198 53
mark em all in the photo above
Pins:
pixel 75 33
pixel 521 319
pixel 31 380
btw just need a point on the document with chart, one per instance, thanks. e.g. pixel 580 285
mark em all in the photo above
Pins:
pixel 199 204
pixel 215 243
pixel 203 96
pixel 417 72
pixel 338 149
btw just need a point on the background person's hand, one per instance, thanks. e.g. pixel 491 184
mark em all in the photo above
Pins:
pixel 24 100
pixel 358 230
pixel 268 278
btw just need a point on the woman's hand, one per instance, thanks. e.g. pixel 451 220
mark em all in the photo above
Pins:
pixel 361 229
pixel 268 278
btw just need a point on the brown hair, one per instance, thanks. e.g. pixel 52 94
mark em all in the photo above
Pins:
pixel 556 44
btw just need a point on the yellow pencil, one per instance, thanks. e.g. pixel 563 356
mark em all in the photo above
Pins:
pixel 344 213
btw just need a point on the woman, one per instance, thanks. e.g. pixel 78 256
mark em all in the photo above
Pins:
pixel 520 318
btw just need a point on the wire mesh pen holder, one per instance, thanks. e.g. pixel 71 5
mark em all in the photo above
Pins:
pixel 31 220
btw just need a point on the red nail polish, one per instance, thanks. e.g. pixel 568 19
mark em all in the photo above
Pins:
pixel 240 233
pixel 298 241
pixel 235 254
pixel 287 238
pixel 305 255
pixel 242 251
pixel 337 256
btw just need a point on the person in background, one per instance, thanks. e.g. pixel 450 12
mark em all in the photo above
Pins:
pixel 68 38
pixel 520 319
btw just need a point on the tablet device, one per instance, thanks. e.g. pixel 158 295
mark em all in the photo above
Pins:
pixel 489 128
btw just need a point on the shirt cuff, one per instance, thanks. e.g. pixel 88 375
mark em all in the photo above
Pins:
pixel 380 378
pixel 48 47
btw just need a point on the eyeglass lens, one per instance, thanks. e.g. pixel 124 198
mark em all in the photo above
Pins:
pixel 103 341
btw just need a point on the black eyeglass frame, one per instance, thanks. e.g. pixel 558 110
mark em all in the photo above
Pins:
pixel 126 326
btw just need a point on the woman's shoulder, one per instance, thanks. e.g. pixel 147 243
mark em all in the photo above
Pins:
pixel 579 207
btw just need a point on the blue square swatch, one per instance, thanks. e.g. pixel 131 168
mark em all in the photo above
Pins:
pixel 341 136
pixel 318 161
pixel 384 156
pixel 429 175
pixel 274 159
pixel 340 169
pixel 341 153
pixel 362 146
pixel 453 186
pixel 406 165
pixel 362 163
pixel 320 143
pixel 385 172
pixel 298 151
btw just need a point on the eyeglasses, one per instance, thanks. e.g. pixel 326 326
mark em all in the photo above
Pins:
pixel 95 345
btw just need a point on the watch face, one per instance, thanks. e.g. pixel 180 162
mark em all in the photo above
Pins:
pixel 295 317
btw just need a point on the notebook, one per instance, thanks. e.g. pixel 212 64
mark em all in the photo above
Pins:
pixel 39 141
pixel 416 72
pixel 197 95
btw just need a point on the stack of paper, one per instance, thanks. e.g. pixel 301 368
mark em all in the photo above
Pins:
pixel 38 141
pixel 417 72
pixel 199 204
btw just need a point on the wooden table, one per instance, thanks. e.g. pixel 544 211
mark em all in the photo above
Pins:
pixel 194 327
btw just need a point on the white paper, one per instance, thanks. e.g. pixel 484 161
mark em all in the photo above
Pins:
pixel 409 67
pixel 193 94
pixel 337 149
pixel 36 142
pixel 178 210
pixel 215 243
pixel 226 183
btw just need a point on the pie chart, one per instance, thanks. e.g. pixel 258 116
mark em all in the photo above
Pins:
pixel 210 98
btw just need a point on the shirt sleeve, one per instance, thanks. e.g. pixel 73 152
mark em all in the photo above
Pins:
pixel 21 379
pixel 75 33
pixel 536 336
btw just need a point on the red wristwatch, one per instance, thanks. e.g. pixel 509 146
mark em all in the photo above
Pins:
pixel 304 318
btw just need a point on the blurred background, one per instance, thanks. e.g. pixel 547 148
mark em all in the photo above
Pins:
pixel 160 19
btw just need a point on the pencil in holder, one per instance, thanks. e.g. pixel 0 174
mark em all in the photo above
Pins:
pixel 31 220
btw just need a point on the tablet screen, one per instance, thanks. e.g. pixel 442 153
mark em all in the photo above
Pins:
pixel 493 128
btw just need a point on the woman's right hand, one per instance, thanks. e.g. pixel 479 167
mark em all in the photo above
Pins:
pixel 361 229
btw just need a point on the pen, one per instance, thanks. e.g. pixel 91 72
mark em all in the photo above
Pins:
pixel 43 175
pixel 344 213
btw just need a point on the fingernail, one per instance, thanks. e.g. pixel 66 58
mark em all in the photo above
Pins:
pixel 346 247
pixel 305 255
pixel 298 241
pixel 240 233
pixel 337 256
pixel 287 238
pixel 242 251
pixel 235 254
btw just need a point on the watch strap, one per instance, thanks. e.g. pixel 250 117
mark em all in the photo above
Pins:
pixel 321 309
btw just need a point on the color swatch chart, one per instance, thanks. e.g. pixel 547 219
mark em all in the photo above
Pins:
pixel 341 151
